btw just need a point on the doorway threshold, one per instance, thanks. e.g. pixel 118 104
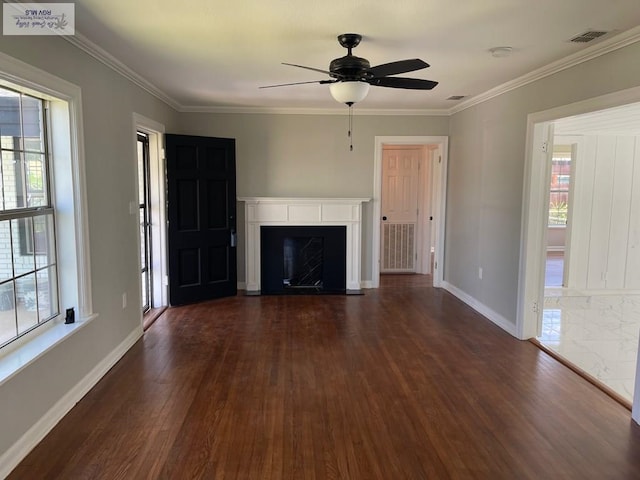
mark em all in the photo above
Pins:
pixel 151 316
pixel 588 377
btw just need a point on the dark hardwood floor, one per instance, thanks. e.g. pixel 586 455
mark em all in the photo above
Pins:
pixel 404 382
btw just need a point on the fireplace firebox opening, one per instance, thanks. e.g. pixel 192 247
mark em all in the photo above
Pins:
pixel 303 259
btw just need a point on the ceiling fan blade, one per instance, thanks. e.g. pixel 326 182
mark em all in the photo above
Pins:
pixel 321 82
pixel 401 66
pixel 399 82
pixel 311 68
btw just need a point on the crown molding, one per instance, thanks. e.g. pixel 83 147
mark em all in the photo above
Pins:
pixel 338 110
pixel 606 46
pixel 97 52
pixel 104 57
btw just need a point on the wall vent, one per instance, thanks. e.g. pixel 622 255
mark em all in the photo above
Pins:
pixel 398 247
pixel 456 97
pixel 588 36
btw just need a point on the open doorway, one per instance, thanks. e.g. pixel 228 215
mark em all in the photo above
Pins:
pixel 562 176
pixel 144 199
pixel 591 320
pixel 148 136
pixel 434 195
pixel 405 245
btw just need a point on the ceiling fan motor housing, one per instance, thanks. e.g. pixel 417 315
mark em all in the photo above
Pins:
pixel 357 70
pixel 349 67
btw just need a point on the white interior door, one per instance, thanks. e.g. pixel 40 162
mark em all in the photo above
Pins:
pixel 400 210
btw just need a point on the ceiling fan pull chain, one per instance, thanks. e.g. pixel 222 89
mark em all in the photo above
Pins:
pixel 350 127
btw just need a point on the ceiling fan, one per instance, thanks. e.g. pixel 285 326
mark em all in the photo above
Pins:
pixel 351 76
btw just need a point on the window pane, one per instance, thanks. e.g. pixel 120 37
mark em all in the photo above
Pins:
pixel 22 235
pixel 27 296
pixel 12 184
pixel 140 172
pixel 10 130
pixel 145 286
pixel 43 235
pixel 143 244
pixel 6 263
pixel 47 293
pixel 27 302
pixel 559 188
pixel 36 181
pixel 32 124
pixel 7 313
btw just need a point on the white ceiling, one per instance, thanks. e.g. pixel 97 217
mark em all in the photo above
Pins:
pixel 215 53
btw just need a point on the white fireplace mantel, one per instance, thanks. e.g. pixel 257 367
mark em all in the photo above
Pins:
pixel 278 211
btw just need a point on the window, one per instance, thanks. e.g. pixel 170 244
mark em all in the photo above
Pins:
pixel 44 238
pixel 28 267
pixel 560 180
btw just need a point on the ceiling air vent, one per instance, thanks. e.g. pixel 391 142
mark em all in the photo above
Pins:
pixel 588 36
pixel 456 97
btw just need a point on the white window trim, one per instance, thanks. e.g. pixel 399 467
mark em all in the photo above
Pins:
pixel 69 194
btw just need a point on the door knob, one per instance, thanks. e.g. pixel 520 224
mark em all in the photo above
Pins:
pixel 384 218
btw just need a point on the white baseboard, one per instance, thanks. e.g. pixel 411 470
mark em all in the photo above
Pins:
pixel 12 457
pixel 242 285
pixel 481 308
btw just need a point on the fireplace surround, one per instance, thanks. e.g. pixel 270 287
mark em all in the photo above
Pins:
pixel 301 212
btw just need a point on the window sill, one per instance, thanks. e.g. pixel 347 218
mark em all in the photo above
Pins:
pixel 31 347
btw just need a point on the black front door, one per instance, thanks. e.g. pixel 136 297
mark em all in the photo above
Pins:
pixel 201 205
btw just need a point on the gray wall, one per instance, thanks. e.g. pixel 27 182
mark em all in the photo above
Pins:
pixel 108 104
pixel 289 155
pixel 278 155
pixel 307 156
pixel 486 168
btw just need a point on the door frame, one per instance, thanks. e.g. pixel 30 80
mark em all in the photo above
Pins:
pixel 535 208
pixel 144 161
pixel 157 183
pixel 531 245
pixel 438 206
pixel 575 143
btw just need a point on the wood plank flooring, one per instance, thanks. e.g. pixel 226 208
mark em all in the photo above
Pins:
pixel 404 382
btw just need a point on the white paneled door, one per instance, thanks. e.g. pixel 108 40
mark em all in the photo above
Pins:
pixel 399 200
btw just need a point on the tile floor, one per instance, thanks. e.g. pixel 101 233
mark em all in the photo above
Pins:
pixel 597 333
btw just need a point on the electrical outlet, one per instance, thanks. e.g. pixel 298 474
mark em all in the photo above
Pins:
pixel 124 300
pixel 480 273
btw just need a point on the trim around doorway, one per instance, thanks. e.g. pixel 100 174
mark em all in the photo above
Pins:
pixel 157 183
pixel 532 238
pixel 438 206
pixel 533 231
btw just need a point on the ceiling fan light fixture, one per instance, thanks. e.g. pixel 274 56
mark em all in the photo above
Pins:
pixel 349 92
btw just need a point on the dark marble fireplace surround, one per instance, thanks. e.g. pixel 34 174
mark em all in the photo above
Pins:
pixel 303 259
